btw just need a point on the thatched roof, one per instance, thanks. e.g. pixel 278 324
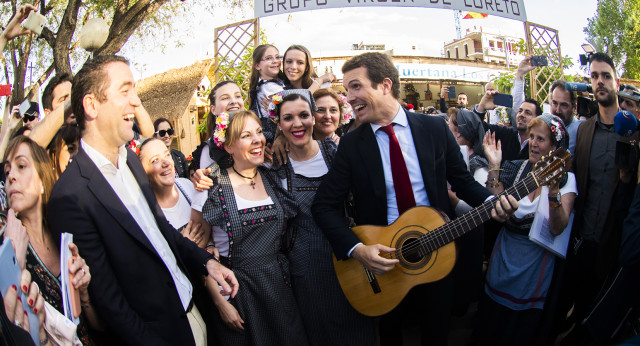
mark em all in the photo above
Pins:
pixel 168 94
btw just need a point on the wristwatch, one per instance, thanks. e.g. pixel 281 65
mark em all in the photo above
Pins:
pixel 555 200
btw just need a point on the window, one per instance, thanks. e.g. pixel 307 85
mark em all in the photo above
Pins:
pixel 492 44
pixel 457 55
pixel 466 51
pixel 448 54
pixel 499 44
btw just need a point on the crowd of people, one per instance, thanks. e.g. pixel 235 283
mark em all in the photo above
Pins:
pixel 237 246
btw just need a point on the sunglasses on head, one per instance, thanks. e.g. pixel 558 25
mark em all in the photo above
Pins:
pixel 162 133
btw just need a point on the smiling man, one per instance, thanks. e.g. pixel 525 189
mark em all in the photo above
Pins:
pixel 394 161
pixel 142 268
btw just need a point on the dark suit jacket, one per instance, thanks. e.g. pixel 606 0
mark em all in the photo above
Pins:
pixel 357 168
pixel 131 288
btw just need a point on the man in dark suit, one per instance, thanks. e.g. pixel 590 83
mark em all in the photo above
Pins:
pixel 142 269
pixel 393 161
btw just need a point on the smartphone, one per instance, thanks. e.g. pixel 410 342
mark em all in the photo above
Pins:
pixel 539 60
pixel 5 90
pixel 24 107
pixel 11 275
pixel 452 92
pixel 503 100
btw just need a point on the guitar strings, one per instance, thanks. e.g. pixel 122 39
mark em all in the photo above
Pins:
pixel 439 233
pixel 530 181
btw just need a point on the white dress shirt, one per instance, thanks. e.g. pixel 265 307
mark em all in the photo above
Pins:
pixel 405 138
pixel 124 184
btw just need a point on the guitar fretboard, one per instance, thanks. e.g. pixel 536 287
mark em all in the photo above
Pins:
pixel 472 219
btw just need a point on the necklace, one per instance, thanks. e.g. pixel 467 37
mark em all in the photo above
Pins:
pixel 253 183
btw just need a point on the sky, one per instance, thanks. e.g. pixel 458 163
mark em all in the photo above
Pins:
pixel 325 32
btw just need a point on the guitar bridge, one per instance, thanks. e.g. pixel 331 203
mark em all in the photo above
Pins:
pixel 373 281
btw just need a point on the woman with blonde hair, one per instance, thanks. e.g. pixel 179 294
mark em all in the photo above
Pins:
pixel 249 212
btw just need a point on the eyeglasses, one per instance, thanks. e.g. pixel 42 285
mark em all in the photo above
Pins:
pixel 162 133
pixel 272 58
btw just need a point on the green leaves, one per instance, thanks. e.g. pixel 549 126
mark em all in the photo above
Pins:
pixel 615 30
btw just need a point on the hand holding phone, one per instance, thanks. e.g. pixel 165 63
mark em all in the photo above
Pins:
pixel 452 92
pixel 539 60
pixel 504 100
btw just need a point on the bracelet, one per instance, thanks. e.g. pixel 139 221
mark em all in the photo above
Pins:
pixel 554 205
pixel 491 179
pixel 210 244
pixel 495 169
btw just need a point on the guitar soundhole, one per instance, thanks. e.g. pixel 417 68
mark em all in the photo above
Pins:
pixel 412 255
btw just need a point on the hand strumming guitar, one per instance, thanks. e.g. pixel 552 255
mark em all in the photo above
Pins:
pixel 369 256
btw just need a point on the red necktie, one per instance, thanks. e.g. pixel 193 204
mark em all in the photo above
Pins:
pixel 401 180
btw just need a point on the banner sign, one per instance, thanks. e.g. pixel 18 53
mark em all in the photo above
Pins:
pixel 447 72
pixel 512 9
pixel 423 71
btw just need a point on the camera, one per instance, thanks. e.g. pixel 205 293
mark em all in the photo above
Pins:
pixel 586 107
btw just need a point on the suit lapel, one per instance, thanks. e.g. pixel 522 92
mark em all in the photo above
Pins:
pixel 372 162
pixel 105 195
pixel 423 142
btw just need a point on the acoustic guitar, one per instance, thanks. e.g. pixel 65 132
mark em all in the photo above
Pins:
pixel 423 240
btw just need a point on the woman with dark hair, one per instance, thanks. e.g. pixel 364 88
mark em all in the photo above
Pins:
pixel 175 195
pixel 163 130
pixel 468 131
pixel 299 72
pixel 266 79
pixel 64 147
pixel 332 113
pixel 249 212
pixel 225 97
pixel 29 181
pixel 517 302
pixel 328 317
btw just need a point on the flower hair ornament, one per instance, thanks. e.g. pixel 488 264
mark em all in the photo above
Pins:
pixel 347 111
pixel 135 146
pixel 558 130
pixel 219 135
pixel 276 102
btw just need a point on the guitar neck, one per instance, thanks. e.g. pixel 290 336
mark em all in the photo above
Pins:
pixel 472 219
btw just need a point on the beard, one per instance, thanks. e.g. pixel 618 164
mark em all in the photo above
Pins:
pixel 566 118
pixel 607 100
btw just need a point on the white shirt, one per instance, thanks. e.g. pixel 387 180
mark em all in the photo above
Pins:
pixel 180 214
pixel 403 133
pixel 126 187
pixel 313 168
pixel 205 158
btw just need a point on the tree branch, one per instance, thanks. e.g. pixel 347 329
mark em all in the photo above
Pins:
pixel 120 32
pixel 63 37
